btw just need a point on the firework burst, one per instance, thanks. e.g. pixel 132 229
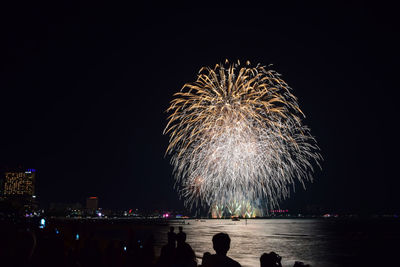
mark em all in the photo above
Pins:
pixel 236 134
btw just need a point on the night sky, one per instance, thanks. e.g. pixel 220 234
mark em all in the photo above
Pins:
pixel 84 89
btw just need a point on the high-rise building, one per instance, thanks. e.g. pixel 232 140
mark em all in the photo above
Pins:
pixel 1 188
pixel 20 183
pixel 92 204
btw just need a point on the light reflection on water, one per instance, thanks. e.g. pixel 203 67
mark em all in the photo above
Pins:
pixel 319 242
pixel 294 240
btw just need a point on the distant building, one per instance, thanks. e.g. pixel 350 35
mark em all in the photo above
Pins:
pixel 1 187
pixel 65 209
pixel 20 183
pixel 92 204
pixel 19 191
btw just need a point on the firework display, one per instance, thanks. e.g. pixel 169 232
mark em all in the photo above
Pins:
pixel 244 209
pixel 236 135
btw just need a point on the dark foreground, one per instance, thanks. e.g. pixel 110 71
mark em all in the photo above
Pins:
pixel 372 242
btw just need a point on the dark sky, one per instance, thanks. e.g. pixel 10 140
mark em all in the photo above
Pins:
pixel 84 88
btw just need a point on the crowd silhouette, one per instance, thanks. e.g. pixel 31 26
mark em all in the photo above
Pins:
pixel 51 248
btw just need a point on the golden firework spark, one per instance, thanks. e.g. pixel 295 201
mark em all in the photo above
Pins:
pixel 237 133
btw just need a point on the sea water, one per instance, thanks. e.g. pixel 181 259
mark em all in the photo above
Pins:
pixel 318 242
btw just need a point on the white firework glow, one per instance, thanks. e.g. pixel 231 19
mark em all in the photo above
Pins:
pixel 236 134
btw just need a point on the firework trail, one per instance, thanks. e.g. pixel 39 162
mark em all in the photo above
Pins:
pixel 236 134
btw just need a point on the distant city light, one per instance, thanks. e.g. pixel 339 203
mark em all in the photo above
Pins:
pixel 279 211
pixel 42 223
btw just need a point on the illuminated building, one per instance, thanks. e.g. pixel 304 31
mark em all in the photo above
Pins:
pixel 20 183
pixel 1 187
pixel 92 204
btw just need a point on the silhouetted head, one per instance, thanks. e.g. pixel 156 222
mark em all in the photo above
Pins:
pixel 221 243
pixel 206 258
pixel 265 260
pixel 171 229
pixel 180 228
pixel 185 254
pixel 300 264
pixel 269 259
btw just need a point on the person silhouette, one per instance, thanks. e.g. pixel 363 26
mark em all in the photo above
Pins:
pixel 180 237
pixel 300 264
pixel 172 237
pixel 205 259
pixel 184 255
pixel 270 260
pixel 221 245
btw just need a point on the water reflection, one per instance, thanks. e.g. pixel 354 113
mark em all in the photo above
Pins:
pixel 294 240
